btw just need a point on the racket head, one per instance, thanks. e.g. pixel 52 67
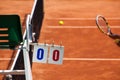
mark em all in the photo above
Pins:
pixel 102 24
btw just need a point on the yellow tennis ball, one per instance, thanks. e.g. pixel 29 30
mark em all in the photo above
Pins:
pixel 61 22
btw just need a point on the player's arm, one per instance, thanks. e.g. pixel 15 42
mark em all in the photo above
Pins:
pixel 114 36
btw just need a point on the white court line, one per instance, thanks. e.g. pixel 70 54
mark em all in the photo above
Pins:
pixel 80 18
pixel 92 59
pixel 80 59
pixel 78 26
pixel 6 59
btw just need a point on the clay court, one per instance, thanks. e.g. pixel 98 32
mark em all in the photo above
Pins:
pixel 89 54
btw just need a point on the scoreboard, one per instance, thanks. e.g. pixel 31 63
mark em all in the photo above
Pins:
pixel 45 53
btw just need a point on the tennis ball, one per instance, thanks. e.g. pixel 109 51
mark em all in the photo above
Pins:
pixel 61 22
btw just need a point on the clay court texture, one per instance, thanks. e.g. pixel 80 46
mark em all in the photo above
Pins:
pixel 89 54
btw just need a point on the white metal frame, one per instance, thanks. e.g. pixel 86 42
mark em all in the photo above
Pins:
pixel 27 72
pixel 27 37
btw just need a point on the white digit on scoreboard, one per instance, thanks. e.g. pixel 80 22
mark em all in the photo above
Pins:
pixel 40 53
pixel 56 54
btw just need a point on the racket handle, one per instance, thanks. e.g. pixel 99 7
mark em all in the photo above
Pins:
pixel 109 33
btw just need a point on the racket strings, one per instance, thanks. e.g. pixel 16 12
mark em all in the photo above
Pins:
pixel 103 24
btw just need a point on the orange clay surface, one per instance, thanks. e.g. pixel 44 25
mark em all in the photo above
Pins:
pixel 79 35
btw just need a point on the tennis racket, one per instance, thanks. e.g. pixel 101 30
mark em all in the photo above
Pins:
pixel 102 25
